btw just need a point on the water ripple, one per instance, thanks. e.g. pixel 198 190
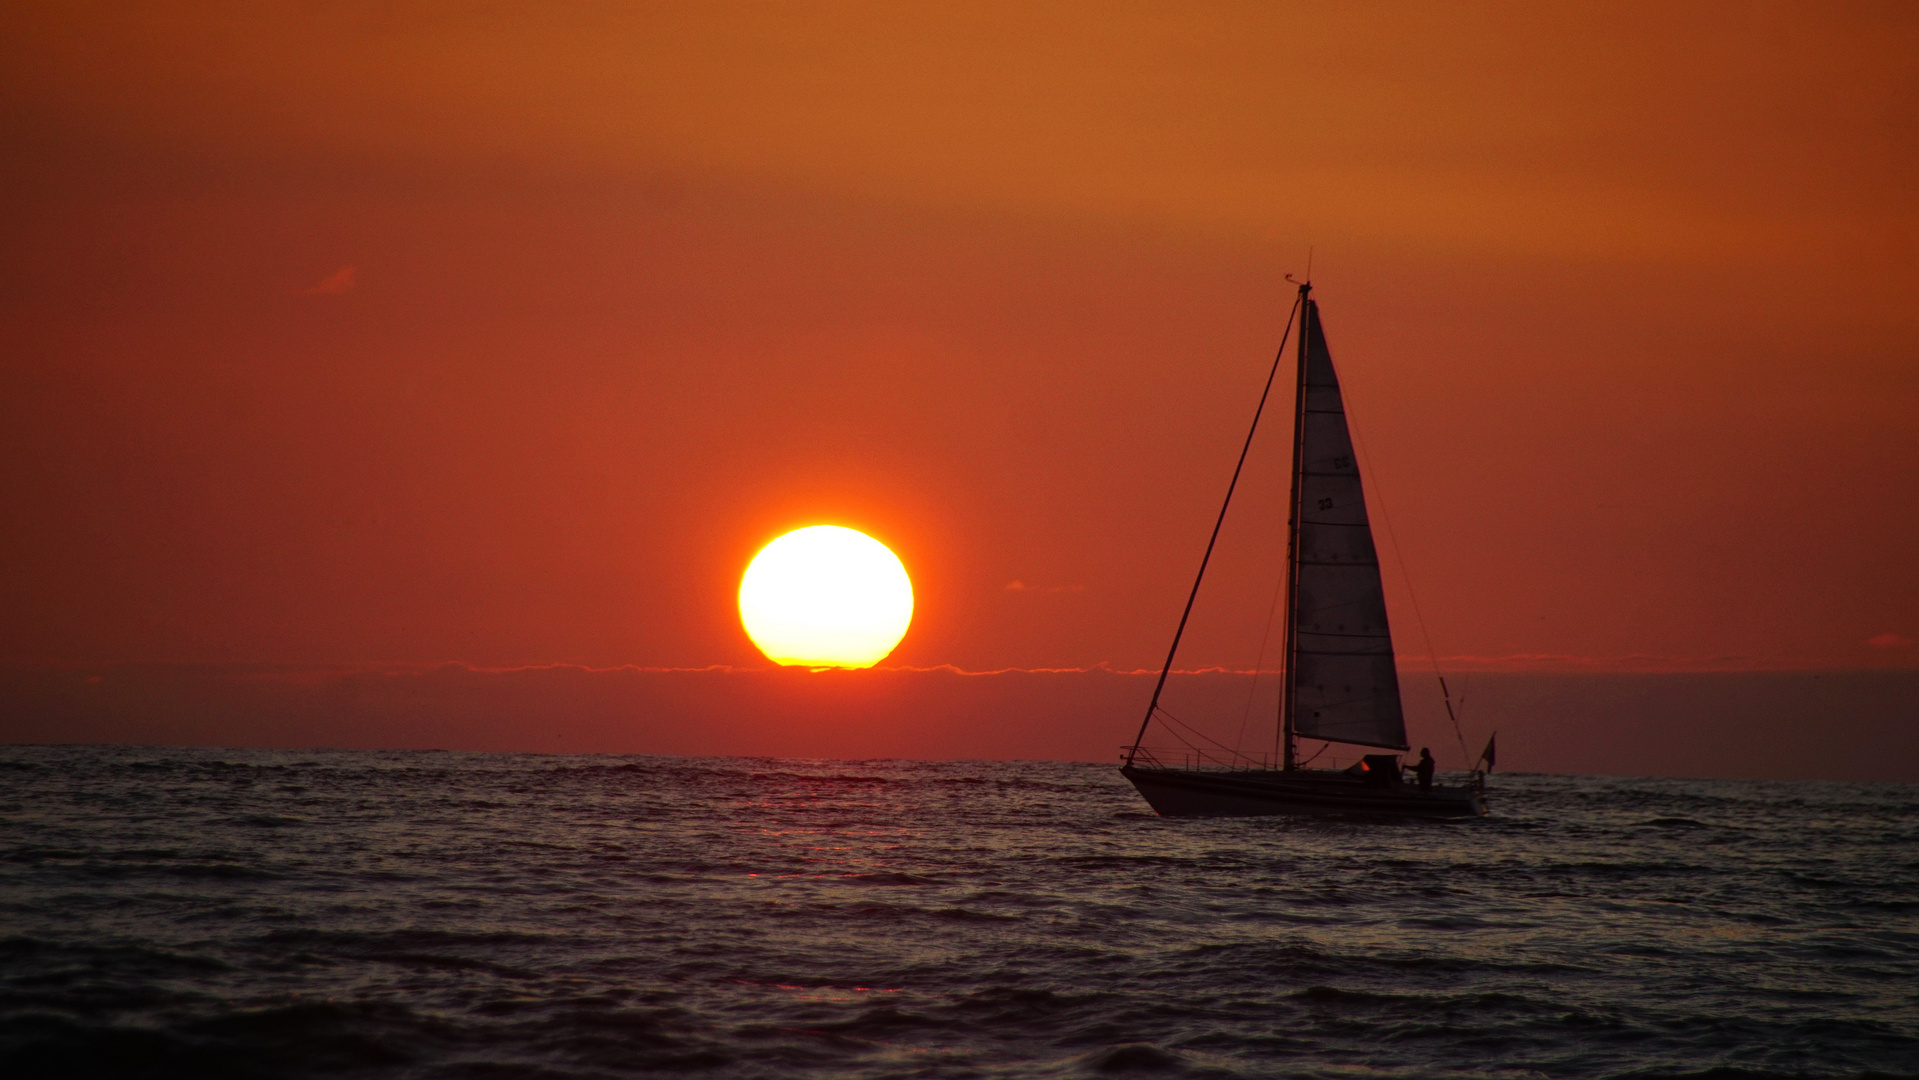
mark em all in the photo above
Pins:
pixel 266 914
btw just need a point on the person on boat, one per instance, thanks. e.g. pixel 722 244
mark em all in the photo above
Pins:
pixel 1424 769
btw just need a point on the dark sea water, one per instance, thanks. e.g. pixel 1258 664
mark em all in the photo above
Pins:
pixel 211 913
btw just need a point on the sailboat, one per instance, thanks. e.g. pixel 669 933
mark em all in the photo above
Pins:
pixel 1340 685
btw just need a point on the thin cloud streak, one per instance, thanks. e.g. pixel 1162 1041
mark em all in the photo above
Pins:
pixel 338 283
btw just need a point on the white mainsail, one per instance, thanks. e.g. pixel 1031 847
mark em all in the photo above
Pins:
pixel 1344 686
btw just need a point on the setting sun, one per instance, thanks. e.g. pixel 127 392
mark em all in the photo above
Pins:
pixel 826 596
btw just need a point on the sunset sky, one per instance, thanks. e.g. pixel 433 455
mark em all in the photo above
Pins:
pixel 505 335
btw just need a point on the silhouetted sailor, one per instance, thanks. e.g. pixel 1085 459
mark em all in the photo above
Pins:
pixel 1424 769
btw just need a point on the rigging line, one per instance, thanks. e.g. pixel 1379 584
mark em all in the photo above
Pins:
pixel 1182 740
pixel 1200 734
pixel 1201 576
pixel 1177 737
pixel 1245 716
pixel 1399 556
pixel 1231 756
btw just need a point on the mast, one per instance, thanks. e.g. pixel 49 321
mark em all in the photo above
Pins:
pixel 1288 698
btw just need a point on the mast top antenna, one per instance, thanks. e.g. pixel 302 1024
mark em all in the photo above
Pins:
pixel 1304 286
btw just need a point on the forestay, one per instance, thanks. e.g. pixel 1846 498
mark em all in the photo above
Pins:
pixel 1344 686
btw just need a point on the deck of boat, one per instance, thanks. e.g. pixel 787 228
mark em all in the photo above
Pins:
pixel 1264 792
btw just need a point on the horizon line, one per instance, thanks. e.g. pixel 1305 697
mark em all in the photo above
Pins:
pixel 1511 664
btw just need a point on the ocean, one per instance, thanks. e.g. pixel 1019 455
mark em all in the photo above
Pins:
pixel 223 913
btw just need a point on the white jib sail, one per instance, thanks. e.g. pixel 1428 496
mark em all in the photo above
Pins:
pixel 1345 686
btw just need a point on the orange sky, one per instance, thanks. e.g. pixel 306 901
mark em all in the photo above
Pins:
pixel 339 335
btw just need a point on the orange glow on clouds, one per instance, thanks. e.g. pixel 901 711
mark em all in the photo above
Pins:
pixel 826 596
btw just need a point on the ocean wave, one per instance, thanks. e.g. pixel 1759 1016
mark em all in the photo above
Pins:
pixel 239 914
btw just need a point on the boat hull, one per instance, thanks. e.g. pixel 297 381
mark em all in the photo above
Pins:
pixel 1191 793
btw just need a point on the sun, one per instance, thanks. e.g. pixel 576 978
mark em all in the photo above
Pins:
pixel 826 596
